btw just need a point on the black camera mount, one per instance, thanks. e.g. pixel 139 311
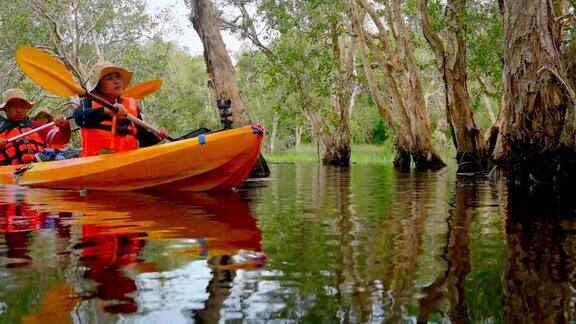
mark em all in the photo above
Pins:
pixel 223 107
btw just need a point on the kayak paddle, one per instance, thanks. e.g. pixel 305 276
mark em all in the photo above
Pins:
pixel 143 89
pixel 51 74
pixel 32 131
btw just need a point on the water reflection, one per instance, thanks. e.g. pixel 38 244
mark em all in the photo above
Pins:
pixel 108 249
pixel 104 255
pixel 359 244
pixel 539 275
pixel 376 246
pixel 451 284
pixel 18 220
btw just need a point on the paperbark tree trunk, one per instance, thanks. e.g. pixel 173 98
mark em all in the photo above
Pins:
pixel 273 134
pixel 402 141
pixel 334 147
pixel 220 68
pixel 408 116
pixel 539 121
pixel 337 150
pixel 423 152
pixel 297 136
pixel 218 63
pixel 451 59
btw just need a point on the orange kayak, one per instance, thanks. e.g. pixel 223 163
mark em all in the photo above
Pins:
pixel 214 162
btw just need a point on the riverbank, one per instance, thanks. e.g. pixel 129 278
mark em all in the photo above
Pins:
pixel 361 154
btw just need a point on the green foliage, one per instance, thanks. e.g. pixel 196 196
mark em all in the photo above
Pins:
pixel 123 32
pixel 380 134
pixel 184 92
pixel 278 89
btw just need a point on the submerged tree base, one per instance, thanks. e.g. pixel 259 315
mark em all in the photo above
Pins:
pixel 402 160
pixel 337 156
pixel 428 161
pixel 548 168
pixel 471 163
pixel 260 169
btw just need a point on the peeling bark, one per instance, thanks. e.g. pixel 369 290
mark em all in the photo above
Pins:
pixel 220 68
pixel 538 130
pixel 337 149
pixel 218 62
pixel 423 153
pixel 451 59
pixel 403 140
pixel 408 118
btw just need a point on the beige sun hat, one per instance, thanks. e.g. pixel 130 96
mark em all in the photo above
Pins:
pixel 15 94
pixel 102 68
pixel 43 113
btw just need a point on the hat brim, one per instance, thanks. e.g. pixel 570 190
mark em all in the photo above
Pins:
pixel 29 104
pixel 125 75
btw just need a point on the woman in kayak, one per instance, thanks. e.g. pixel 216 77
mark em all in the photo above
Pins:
pixel 104 131
pixel 30 148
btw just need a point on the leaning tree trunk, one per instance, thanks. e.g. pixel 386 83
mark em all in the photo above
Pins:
pixel 423 152
pixel 220 67
pixel 451 60
pixel 218 63
pixel 396 62
pixel 403 139
pixel 538 113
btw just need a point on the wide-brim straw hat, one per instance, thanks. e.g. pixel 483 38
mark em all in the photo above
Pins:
pixel 99 70
pixel 13 95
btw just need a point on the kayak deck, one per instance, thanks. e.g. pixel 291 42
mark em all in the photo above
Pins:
pixel 220 162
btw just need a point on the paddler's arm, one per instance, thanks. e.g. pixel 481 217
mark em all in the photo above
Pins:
pixel 59 134
pixel 85 116
pixel 147 138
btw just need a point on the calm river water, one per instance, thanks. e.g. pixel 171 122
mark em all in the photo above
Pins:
pixel 310 244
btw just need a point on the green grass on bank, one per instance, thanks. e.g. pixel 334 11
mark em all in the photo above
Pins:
pixel 362 153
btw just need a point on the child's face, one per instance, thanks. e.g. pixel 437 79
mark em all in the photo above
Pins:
pixel 16 111
pixel 112 84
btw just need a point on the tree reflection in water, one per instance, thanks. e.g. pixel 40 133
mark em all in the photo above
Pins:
pixel 363 244
pixel 451 285
pixel 538 279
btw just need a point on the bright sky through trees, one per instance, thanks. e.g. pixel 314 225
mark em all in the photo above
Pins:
pixel 187 37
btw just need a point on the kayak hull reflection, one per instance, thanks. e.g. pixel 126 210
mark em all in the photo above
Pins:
pixel 220 162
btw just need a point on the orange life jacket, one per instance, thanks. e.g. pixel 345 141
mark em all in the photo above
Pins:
pixel 22 151
pixel 105 137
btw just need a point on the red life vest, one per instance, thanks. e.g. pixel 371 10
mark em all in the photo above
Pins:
pixel 22 151
pixel 20 218
pixel 105 137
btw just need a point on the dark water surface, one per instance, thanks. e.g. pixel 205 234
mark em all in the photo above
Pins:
pixel 311 244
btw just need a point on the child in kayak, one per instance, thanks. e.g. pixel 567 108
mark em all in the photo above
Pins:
pixel 104 131
pixel 45 117
pixel 30 148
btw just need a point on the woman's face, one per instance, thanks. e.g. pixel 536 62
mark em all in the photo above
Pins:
pixel 112 85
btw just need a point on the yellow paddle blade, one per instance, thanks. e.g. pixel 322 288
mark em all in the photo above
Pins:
pixel 49 72
pixel 143 89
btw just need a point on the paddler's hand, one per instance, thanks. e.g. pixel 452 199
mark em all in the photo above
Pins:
pixel 122 113
pixel 162 134
pixel 3 143
pixel 61 121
